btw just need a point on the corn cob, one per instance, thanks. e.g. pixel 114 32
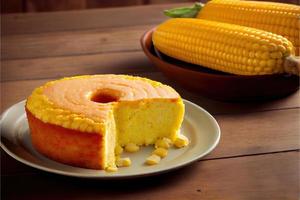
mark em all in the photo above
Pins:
pixel 279 18
pixel 225 47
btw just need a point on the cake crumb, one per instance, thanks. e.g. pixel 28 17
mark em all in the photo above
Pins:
pixel 111 169
pixel 161 152
pixel 163 143
pixel 181 141
pixel 153 160
pixel 118 150
pixel 123 162
pixel 131 148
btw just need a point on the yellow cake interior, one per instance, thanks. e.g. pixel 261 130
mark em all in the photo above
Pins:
pixel 142 123
pixel 110 142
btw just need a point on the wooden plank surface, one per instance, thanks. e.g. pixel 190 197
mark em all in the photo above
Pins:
pixel 124 62
pixel 72 43
pixel 86 19
pixel 258 132
pixel 247 178
pixel 53 5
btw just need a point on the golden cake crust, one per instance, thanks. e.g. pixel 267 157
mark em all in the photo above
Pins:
pixel 66 145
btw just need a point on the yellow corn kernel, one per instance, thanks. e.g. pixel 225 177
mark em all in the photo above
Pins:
pixel 271 63
pixel 123 162
pixel 111 169
pixel 273 47
pixel 163 143
pixel 281 48
pixel 118 150
pixel 168 140
pixel 59 118
pixel 153 160
pixel 83 127
pixel 181 141
pixel 131 148
pixel 278 18
pixel 75 124
pixel 161 152
pixel 45 118
pixel 66 124
pixel 255 46
pixel 265 55
pixel 262 63
pixel 179 37
pixel 276 55
pixel 98 127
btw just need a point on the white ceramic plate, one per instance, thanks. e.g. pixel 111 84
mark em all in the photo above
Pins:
pixel 198 125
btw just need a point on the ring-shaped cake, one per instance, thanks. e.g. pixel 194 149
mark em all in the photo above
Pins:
pixel 81 120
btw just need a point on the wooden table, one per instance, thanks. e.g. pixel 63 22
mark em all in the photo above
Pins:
pixel 257 158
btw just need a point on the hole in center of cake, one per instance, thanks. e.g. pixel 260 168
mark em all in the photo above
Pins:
pixel 105 96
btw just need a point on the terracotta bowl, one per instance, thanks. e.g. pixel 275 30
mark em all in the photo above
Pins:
pixel 218 85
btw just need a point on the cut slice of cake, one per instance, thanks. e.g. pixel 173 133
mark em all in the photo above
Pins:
pixel 81 120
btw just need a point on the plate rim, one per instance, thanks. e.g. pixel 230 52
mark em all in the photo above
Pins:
pixel 115 176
